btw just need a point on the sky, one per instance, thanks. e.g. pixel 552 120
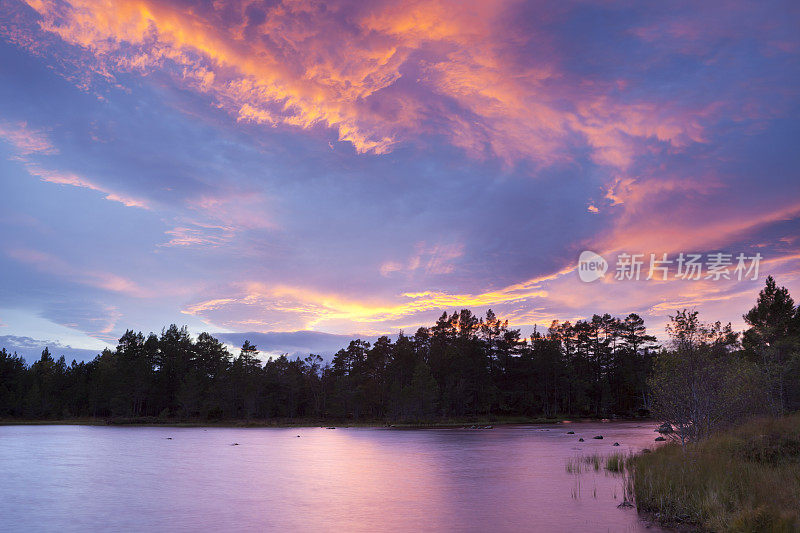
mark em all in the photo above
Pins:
pixel 301 172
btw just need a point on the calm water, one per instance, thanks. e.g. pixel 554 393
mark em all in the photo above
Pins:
pixel 78 478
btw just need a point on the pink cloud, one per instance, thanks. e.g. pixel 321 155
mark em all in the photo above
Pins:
pixel 338 65
pixel 680 214
pixel 61 178
pixel 430 260
pixel 25 140
pixel 196 234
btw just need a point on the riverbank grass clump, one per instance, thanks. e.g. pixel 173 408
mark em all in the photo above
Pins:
pixel 744 479
pixel 614 463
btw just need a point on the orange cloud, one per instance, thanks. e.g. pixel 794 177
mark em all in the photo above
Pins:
pixel 307 64
pixel 287 307
pixel 305 308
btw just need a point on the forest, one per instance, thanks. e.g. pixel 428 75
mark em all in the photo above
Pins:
pixel 463 366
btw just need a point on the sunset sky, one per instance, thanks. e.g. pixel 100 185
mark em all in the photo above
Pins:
pixel 356 168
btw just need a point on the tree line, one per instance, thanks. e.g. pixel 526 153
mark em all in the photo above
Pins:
pixel 462 366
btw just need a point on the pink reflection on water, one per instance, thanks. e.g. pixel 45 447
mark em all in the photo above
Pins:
pixel 505 479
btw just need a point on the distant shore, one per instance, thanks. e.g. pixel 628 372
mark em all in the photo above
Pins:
pixel 306 422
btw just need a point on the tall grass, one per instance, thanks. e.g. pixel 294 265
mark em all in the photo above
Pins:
pixel 745 479
pixel 614 462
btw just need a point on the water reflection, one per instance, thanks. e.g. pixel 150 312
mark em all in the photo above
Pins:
pixel 74 478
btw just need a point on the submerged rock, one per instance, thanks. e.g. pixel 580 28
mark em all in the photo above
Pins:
pixel 580 439
pixel 598 437
pixel 570 432
pixel 615 444
pixel 660 439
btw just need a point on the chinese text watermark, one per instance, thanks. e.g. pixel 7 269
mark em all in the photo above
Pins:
pixel 663 266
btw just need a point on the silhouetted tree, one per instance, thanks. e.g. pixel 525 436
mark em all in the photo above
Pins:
pixel 773 341
pixel 701 385
pixel 13 375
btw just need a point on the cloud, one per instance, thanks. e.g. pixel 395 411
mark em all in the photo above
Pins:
pixel 73 180
pixel 29 142
pixel 51 264
pixel 659 230
pixel 287 308
pixel 430 260
pixel 222 217
pixel 25 140
pixel 379 74
pixel 97 319
pixel 31 349
pixel 361 166
pixel 198 234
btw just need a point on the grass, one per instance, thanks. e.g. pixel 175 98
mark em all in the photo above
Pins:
pixel 745 479
pixel 614 463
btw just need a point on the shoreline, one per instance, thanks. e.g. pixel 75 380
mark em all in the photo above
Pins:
pixel 298 423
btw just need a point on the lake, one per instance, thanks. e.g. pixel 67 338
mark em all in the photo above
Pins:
pixel 512 478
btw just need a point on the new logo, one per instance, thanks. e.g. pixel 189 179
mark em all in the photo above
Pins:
pixel 591 266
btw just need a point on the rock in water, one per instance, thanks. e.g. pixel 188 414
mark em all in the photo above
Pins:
pixel 598 437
